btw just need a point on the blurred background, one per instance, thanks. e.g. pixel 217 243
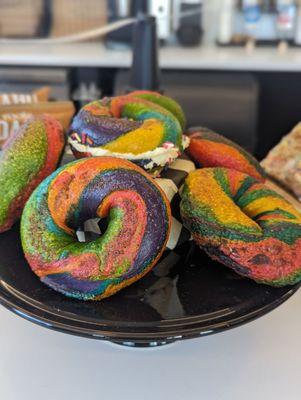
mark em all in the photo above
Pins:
pixel 235 66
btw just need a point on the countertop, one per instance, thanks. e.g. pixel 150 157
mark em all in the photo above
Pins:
pixel 95 54
pixel 260 360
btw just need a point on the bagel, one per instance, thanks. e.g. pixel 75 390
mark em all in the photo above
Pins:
pixel 209 149
pixel 30 155
pixel 137 232
pixel 244 224
pixel 143 127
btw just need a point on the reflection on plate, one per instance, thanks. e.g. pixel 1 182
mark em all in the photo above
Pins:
pixel 186 295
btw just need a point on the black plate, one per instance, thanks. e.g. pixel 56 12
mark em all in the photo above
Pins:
pixel 185 296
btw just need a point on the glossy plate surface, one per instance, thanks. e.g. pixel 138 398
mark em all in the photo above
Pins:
pixel 186 295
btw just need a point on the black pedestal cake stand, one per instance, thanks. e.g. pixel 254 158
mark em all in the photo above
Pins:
pixel 185 296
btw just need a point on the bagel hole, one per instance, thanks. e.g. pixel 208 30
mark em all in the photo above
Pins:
pixel 92 229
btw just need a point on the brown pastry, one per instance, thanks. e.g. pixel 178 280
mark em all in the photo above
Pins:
pixel 283 162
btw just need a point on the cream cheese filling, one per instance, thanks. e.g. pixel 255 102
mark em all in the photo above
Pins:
pixel 160 156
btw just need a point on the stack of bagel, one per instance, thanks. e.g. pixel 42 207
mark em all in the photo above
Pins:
pixel 129 169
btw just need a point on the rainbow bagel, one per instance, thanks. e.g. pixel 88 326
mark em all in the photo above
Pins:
pixel 27 158
pixel 244 225
pixel 143 127
pixel 139 223
pixel 209 149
